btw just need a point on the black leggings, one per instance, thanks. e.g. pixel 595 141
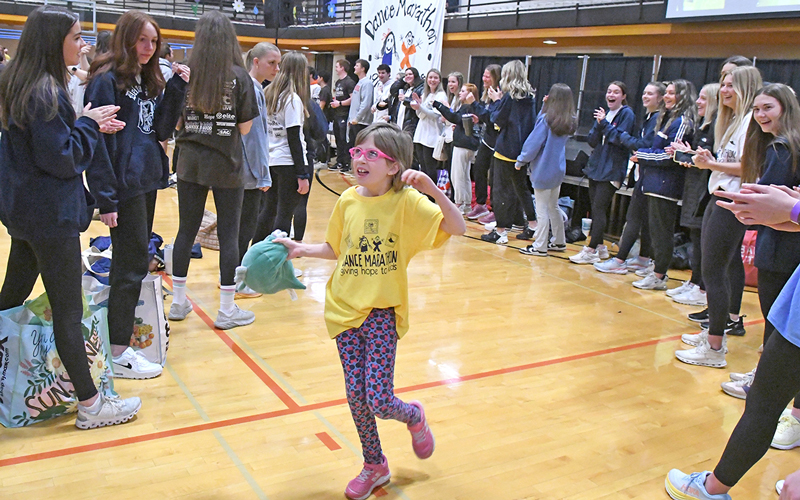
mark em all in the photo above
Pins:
pixel 480 173
pixel 662 215
pixel 770 284
pixel 600 194
pixel 510 193
pixel 280 202
pixel 723 271
pixel 695 236
pixel 251 203
pixel 59 262
pixel 427 163
pixel 777 381
pixel 191 206
pixel 636 224
pixel 130 265
pixel 301 213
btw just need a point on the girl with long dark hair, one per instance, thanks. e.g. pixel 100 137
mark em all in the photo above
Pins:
pixel 44 150
pixel 220 108
pixel 607 166
pixel 130 166
pixel 663 179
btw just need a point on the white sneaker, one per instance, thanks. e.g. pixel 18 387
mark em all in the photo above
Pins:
pixel 634 264
pixel 737 388
pixel 178 312
pixel 131 364
pixel 696 339
pixel 694 297
pixel 113 410
pixel 779 486
pixel 741 376
pixel 612 266
pixel 236 318
pixel 489 226
pixel 642 273
pixel 703 355
pixel 602 252
pixel 298 272
pixel 652 282
pixel 585 256
pixel 686 286
pixel 787 435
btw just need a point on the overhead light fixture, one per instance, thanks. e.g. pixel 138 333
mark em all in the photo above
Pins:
pixel 550 42
pixel 303 48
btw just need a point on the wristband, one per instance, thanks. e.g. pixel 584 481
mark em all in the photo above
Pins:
pixel 795 215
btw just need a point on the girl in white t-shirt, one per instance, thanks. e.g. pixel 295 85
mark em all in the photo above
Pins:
pixel 722 233
pixel 286 111
pixel 430 125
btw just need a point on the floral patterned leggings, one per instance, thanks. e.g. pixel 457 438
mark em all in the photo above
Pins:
pixel 367 355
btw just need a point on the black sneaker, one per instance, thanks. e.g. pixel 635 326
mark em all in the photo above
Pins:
pixel 495 237
pixel 344 169
pixel 335 167
pixel 529 250
pixel 735 328
pixel 556 248
pixel 699 317
pixel 526 234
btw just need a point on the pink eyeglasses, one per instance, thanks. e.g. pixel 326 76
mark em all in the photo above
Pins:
pixel 369 154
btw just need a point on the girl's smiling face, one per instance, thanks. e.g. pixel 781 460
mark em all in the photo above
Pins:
pixel 651 98
pixel 669 97
pixel 452 84
pixel 767 112
pixel 614 97
pixel 727 95
pixel 433 81
pixel 702 103
pixel 73 43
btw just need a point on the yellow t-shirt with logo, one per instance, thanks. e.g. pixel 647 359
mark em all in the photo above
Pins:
pixel 374 238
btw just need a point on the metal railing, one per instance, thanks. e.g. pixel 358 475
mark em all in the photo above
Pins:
pixel 317 13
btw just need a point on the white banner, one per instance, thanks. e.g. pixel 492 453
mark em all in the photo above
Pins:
pixel 402 34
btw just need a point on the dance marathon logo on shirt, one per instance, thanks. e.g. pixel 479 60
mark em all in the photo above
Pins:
pixel 222 124
pixel 147 109
pixel 370 254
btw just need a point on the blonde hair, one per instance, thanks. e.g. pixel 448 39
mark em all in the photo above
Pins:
pixel 391 141
pixel 260 50
pixel 425 89
pixel 514 81
pixel 292 78
pixel 746 82
pixel 712 103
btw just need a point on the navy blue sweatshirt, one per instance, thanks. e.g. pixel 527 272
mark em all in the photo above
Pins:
pixel 627 140
pixel 132 162
pixel 661 176
pixel 41 186
pixel 609 159
pixel 778 251
pixel 460 137
pixel 514 119
pixel 484 113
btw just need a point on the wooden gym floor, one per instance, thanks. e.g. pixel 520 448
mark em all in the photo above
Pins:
pixel 541 379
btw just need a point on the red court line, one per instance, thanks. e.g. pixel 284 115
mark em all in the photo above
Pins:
pixel 247 360
pixel 325 404
pixel 380 492
pixel 328 441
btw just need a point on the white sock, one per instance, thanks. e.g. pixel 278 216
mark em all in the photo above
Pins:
pixel 226 295
pixel 94 407
pixel 178 290
pixel 502 233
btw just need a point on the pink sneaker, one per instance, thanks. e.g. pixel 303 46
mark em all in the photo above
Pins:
pixel 371 477
pixel 488 218
pixel 477 212
pixel 421 435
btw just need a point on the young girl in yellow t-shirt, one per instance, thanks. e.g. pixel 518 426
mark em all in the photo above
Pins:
pixel 375 229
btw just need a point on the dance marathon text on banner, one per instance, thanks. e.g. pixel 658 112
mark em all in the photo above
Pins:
pixel 402 34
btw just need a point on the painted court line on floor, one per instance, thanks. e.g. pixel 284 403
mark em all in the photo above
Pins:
pixel 328 441
pixel 317 406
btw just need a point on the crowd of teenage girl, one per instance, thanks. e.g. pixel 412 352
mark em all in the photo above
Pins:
pixel 737 139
